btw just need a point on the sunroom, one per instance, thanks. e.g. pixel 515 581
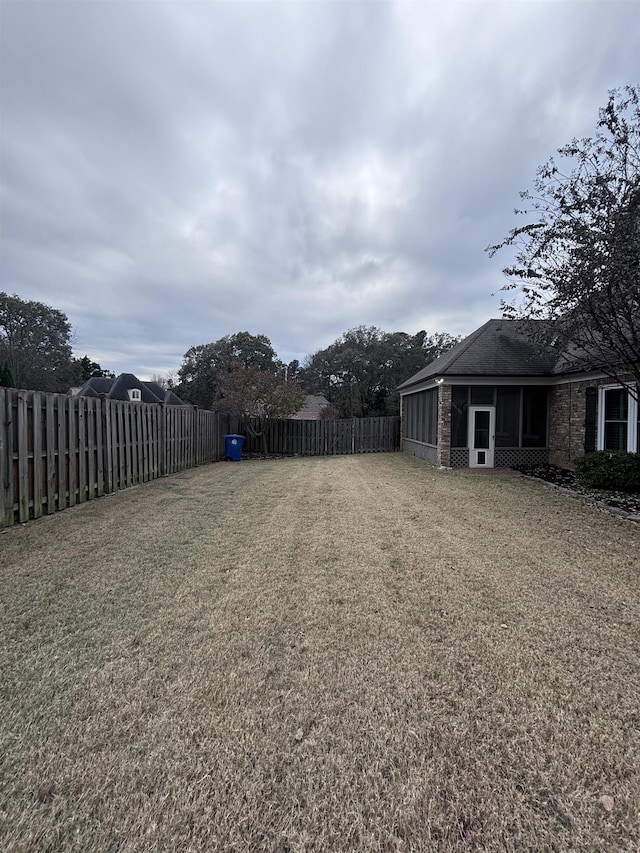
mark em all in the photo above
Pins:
pixel 483 404
pixel 490 425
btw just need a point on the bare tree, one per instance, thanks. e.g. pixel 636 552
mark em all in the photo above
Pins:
pixel 257 397
pixel 577 259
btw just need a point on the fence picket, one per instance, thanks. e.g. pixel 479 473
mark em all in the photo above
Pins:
pixel 6 487
pixel 99 433
pixel 23 457
pixel 324 437
pixel 50 439
pixel 82 450
pixel 62 452
pixel 121 484
pixel 36 467
pixel 107 446
pixel 73 450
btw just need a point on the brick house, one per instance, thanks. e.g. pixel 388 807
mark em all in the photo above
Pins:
pixel 495 400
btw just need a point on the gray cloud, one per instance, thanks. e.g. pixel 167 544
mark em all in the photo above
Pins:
pixel 175 172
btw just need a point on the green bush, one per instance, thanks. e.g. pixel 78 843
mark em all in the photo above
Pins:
pixel 610 469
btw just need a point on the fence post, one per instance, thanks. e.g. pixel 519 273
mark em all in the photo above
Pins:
pixel 111 446
pixel 52 478
pixel 36 468
pixel 82 448
pixel 6 501
pixel 23 457
pixel 162 440
pixel 63 444
pixel 99 436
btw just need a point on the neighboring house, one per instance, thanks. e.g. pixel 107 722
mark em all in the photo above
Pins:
pixel 128 387
pixel 311 408
pixel 495 400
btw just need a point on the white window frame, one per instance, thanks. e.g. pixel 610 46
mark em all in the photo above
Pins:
pixel 632 417
pixel 135 395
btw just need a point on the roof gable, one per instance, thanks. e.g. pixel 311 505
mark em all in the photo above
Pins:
pixel 127 381
pixel 172 399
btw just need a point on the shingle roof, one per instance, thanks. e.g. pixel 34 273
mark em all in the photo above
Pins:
pixel 98 384
pixel 156 389
pixel 164 396
pixel 126 381
pixel 117 389
pixel 172 399
pixel 499 348
pixel 311 408
pixel 88 391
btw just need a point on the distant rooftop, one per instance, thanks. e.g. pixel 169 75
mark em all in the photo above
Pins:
pixel 118 389
pixel 311 408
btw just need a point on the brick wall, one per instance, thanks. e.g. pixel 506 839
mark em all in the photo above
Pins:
pixel 567 421
pixel 444 426
pixel 428 452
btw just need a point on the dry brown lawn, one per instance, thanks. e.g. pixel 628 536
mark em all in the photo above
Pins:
pixel 330 654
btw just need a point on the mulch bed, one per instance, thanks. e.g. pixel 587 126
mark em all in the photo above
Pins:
pixel 621 502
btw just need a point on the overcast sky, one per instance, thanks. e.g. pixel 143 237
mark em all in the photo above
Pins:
pixel 173 172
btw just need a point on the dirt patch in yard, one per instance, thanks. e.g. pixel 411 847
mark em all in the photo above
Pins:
pixel 351 653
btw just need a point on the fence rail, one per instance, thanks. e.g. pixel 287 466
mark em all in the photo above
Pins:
pixel 57 451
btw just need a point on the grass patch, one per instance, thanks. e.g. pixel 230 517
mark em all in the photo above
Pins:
pixel 352 653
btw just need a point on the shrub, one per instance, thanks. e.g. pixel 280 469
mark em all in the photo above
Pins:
pixel 610 469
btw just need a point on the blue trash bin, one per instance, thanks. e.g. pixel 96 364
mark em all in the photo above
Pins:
pixel 233 447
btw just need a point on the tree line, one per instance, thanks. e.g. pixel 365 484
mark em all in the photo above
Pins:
pixel 357 374
pixel 239 373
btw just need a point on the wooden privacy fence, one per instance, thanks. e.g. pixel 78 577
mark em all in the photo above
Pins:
pixel 326 437
pixel 57 451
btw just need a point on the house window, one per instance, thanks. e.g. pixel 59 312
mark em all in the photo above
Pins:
pixel 135 396
pixel 619 419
